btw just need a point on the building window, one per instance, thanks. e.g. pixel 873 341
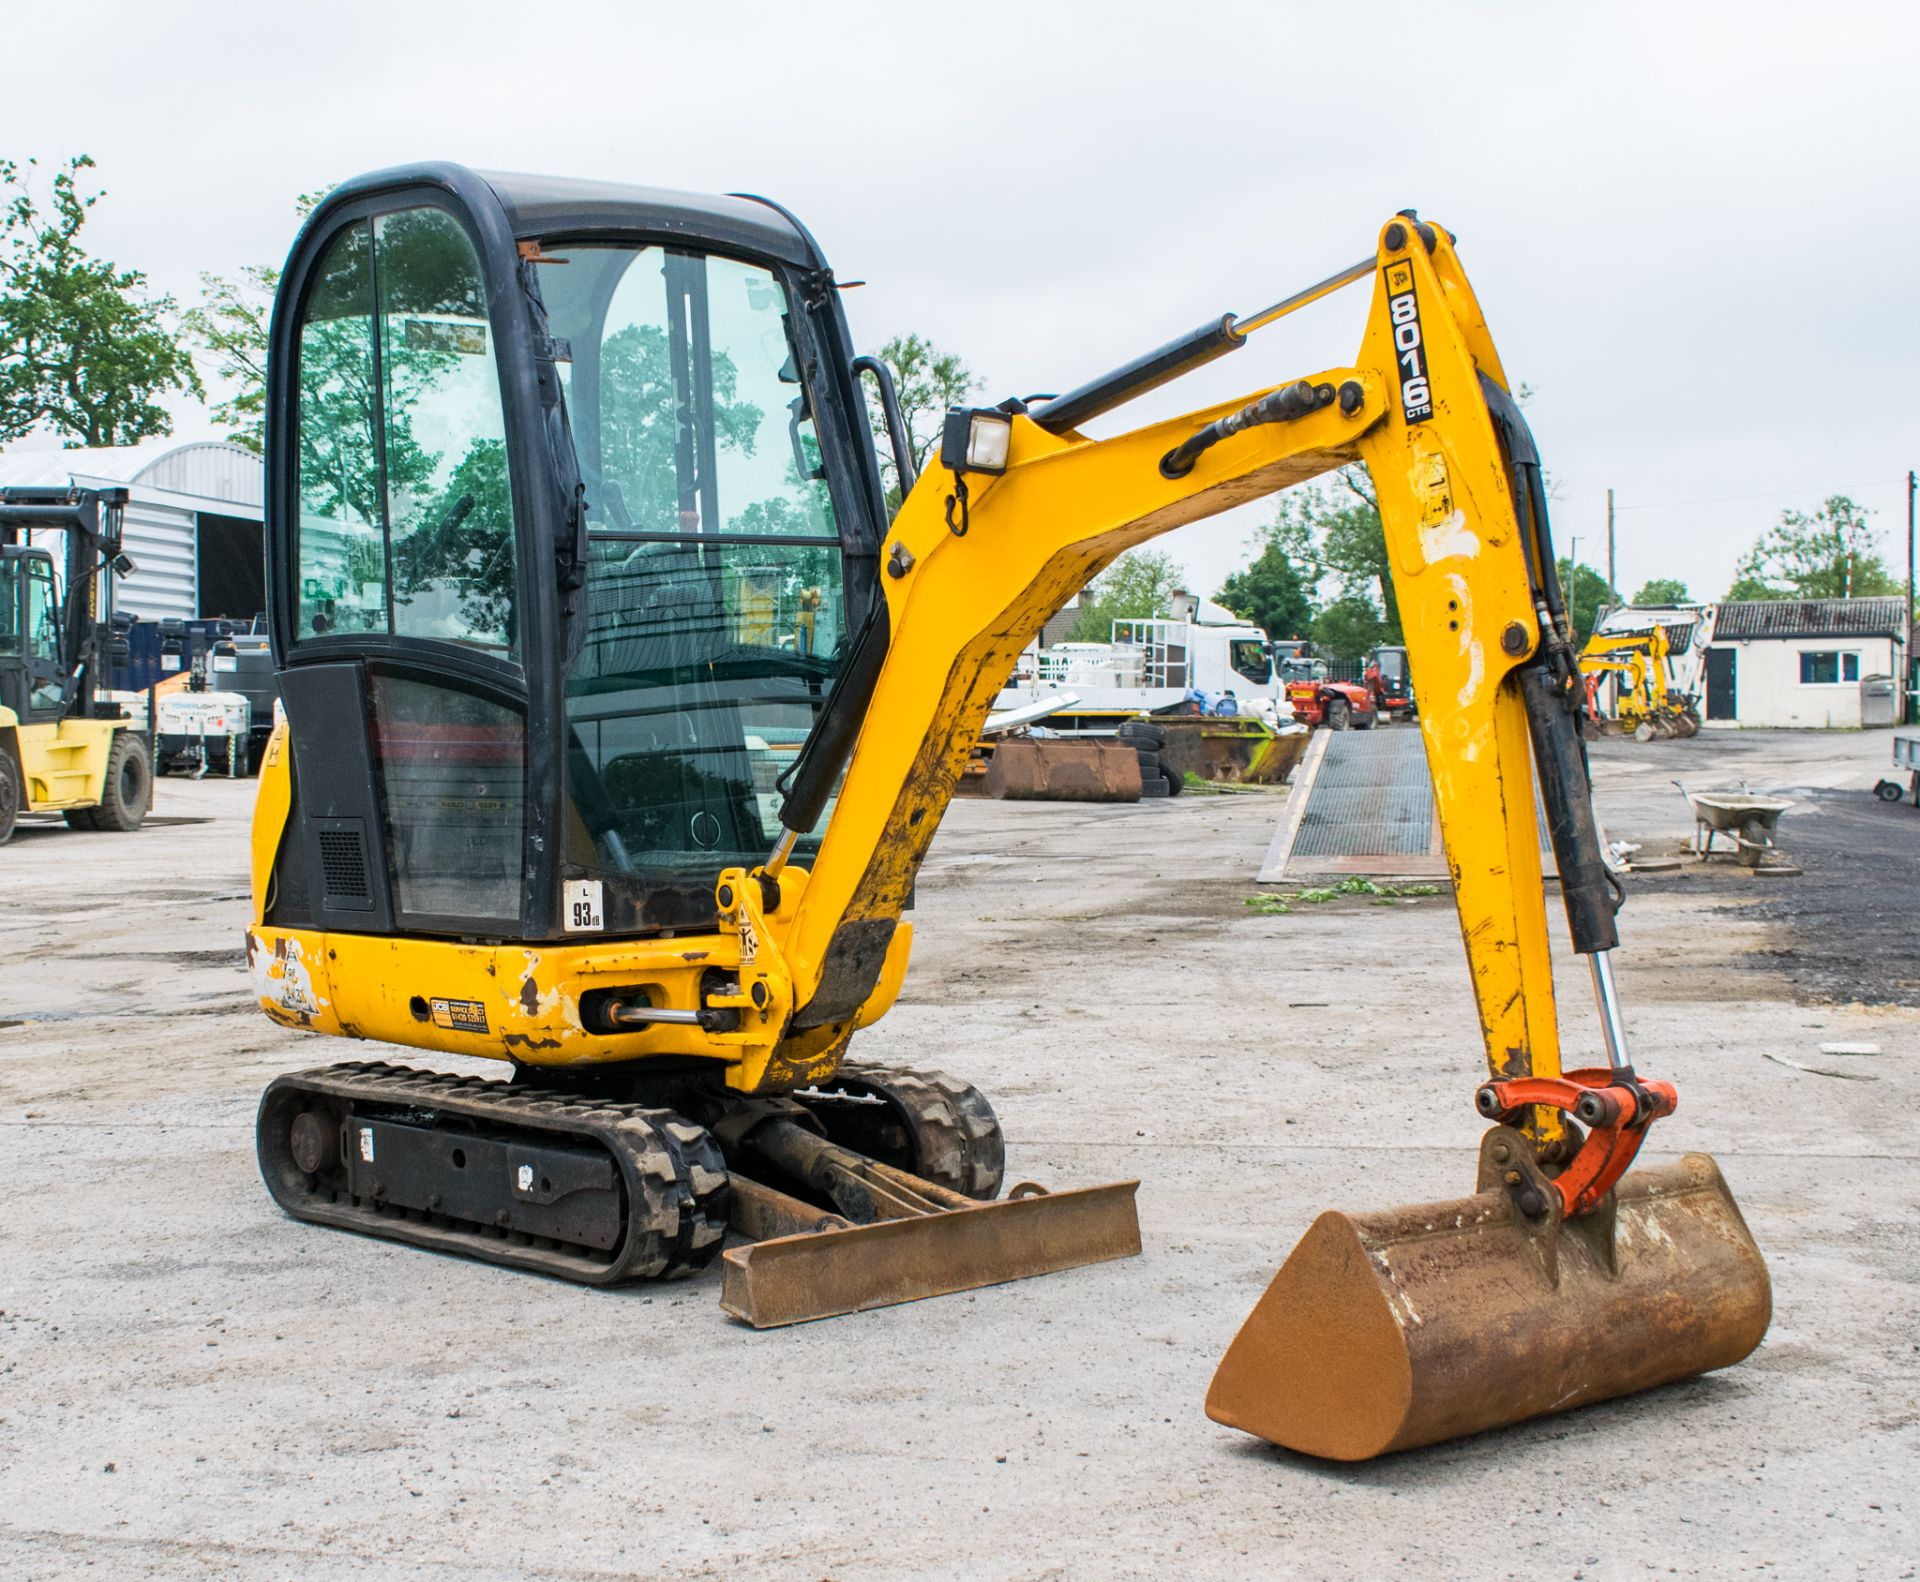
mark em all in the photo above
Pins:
pixel 1825 668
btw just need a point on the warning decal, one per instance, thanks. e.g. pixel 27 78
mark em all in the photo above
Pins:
pixel 462 1016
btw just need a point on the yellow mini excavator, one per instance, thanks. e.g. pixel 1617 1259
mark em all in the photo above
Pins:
pixel 1645 704
pixel 620 715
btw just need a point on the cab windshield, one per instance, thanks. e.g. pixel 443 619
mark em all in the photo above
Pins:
pixel 1251 659
pixel 716 603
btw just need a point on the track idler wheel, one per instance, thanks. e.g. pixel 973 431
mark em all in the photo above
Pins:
pixel 924 1122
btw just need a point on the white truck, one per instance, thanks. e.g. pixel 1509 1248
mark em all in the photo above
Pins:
pixel 1151 665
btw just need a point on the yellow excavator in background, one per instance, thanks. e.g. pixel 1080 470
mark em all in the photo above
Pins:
pixel 621 714
pixel 1646 705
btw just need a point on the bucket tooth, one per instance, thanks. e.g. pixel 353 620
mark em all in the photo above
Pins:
pixel 1387 1331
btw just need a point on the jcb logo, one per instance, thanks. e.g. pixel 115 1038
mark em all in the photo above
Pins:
pixel 1409 346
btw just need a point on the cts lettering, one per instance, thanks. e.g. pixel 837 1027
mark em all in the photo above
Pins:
pixel 1403 312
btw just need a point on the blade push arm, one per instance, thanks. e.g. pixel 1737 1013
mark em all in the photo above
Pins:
pixel 1463 535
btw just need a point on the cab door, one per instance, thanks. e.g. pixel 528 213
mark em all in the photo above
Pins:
pixel 46 671
pixel 400 594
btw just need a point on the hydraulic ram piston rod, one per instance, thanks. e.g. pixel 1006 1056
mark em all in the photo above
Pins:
pixel 1213 339
pixel 1607 1003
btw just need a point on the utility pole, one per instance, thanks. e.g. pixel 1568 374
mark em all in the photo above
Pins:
pixel 1910 670
pixel 1573 581
pixel 1610 571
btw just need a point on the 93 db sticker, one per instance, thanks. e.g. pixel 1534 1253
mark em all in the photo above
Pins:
pixel 1409 344
pixel 583 907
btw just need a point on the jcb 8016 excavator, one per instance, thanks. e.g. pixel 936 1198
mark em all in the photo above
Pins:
pixel 620 716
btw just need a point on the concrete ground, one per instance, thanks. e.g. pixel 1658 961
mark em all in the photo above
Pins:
pixel 193 1386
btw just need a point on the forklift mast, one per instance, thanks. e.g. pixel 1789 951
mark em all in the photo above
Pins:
pixel 91 522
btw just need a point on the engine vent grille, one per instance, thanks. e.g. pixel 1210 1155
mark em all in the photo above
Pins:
pixel 343 868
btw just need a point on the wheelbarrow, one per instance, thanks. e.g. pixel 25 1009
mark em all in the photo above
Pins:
pixel 1748 818
pixel 1906 755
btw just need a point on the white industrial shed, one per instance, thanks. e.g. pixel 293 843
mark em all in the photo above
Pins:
pixel 192 526
pixel 1821 664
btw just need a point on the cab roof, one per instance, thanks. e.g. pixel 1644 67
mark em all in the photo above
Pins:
pixel 540 208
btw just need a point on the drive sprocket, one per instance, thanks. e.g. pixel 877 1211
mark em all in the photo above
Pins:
pixel 925 1122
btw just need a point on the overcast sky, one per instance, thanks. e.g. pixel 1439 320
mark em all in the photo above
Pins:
pixel 1692 226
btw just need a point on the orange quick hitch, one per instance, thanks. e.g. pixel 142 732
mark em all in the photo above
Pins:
pixel 1617 1108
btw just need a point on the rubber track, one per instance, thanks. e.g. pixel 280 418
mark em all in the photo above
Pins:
pixel 957 1135
pixel 675 1180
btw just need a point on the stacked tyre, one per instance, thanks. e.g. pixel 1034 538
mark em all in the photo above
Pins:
pixel 1157 779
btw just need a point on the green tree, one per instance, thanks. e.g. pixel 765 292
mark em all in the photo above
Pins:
pixel 466 538
pixel 229 328
pixel 639 423
pixel 1662 590
pixel 1322 540
pixel 928 381
pixel 1353 547
pixel 1348 627
pixel 1586 593
pixel 86 351
pixel 1138 586
pixel 1273 592
pixel 1831 553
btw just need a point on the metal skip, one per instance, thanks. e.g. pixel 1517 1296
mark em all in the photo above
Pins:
pixel 792 1279
pixel 1059 770
pixel 1387 1331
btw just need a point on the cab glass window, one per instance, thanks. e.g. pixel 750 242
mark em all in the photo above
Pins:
pixel 10 592
pixel 406 518
pixel 1250 659
pixel 43 636
pixel 716 588
pixel 450 764
pixel 342 544
pixel 448 510
pixel 687 403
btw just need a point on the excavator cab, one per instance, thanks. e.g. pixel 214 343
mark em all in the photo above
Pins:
pixel 621 715
pixel 567 555
pixel 575 527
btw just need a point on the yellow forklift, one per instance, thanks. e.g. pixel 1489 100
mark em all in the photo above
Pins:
pixel 63 747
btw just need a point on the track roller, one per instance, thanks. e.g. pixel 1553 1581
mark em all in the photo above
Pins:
pixel 584 1189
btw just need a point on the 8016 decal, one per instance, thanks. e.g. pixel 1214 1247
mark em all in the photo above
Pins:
pixel 1409 344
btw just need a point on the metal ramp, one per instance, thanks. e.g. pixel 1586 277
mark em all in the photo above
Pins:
pixel 1362 806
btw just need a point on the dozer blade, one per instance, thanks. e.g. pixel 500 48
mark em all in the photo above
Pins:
pixel 792 1279
pixel 1386 1331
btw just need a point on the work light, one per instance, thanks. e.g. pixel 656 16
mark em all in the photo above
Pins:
pixel 976 439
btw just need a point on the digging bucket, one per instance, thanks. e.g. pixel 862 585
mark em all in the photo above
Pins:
pixel 1387 1331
